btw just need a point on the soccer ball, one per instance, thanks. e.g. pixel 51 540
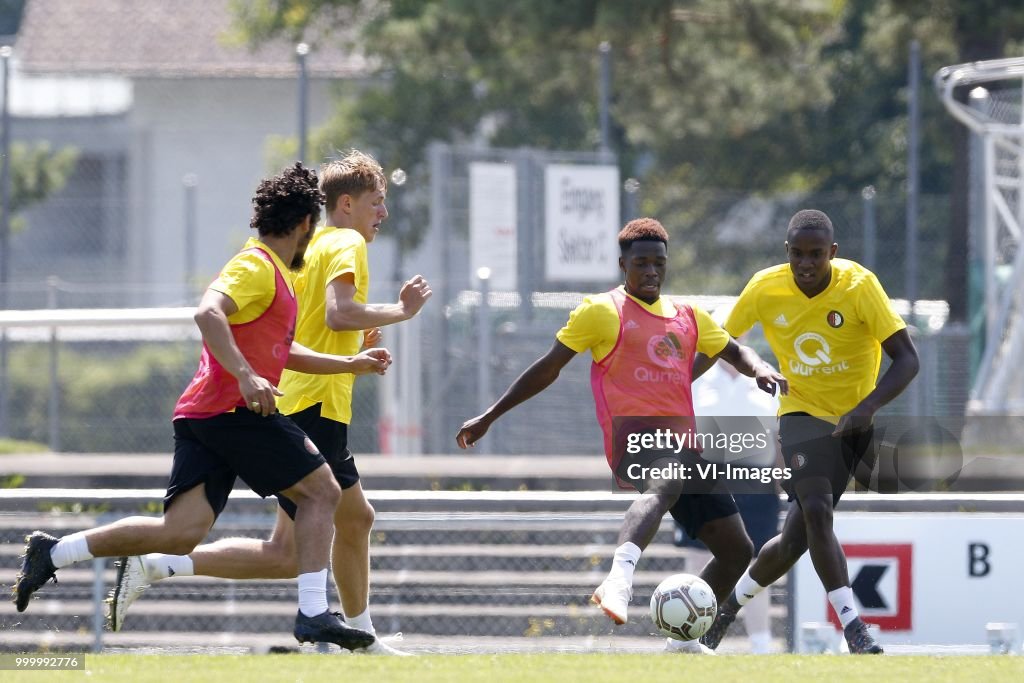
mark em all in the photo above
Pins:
pixel 683 607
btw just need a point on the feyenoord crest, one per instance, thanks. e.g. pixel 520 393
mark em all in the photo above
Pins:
pixel 835 318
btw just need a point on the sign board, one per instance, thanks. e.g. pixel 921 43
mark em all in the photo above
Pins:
pixel 923 578
pixel 581 223
pixel 492 223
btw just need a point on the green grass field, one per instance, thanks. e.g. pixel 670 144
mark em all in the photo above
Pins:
pixel 592 668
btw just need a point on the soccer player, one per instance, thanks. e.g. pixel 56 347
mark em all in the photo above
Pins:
pixel 632 332
pixel 226 422
pixel 333 315
pixel 827 321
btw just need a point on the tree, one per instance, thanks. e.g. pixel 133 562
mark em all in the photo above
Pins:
pixel 36 173
pixel 718 98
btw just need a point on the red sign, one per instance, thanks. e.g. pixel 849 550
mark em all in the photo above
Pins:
pixel 881 575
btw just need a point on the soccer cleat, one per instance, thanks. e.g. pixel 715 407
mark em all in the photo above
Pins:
pixel 687 647
pixel 379 647
pixel 328 627
pixel 860 640
pixel 613 597
pixel 723 620
pixel 36 567
pixel 129 586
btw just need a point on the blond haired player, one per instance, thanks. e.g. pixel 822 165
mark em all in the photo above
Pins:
pixel 333 314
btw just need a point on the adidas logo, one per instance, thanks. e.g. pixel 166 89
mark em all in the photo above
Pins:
pixel 845 610
pixel 631 325
pixel 170 572
pixel 781 321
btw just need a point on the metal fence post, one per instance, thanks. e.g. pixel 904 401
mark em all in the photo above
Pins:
pixel 53 400
pixel 190 181
pixel 99 565
pixel 870 247
pixel 483 361
pixel 301 50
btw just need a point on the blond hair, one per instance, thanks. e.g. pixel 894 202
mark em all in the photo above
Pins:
pixel 353 174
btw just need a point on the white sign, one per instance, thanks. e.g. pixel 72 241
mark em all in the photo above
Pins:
pixel 924 578
pixel 581 223
pixel 492 223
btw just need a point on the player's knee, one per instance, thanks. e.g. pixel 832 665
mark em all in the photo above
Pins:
pixel 184 539
pixel 744 554
pixel 318 487
pixel 817 513
pixel 356 523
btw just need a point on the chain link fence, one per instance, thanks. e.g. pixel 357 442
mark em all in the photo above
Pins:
pixel 154 204
pixel 446 579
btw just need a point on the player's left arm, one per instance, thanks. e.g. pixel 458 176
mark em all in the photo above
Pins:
pixel 302 359
pixel 714 342
pixel 905 364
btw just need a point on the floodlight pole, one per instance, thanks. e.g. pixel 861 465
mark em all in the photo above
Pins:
pixel 913 191
pixel 5 225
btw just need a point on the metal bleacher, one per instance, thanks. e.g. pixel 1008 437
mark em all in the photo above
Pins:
pixel 463 571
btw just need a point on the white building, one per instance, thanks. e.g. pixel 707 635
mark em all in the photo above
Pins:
pixel 150 92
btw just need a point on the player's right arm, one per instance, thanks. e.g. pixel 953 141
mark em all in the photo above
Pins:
pixel 534 380
pixel 343 312
pixel 212 319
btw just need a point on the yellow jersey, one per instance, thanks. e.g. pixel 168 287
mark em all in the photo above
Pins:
pixel 594 325
pixel 248 280
pixel 331 253
pixel 828 346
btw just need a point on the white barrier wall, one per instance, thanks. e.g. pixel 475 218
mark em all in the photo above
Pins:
pixel 924 578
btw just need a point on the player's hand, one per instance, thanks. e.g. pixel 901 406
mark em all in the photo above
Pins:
pixel 414 294
pixel 856 420
pixel 371 360
pixel 768 379
pixel 259 394
pixel 372 337
pixel 472 431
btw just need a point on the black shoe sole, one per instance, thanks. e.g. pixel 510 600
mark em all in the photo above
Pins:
pixel 23 597
pixel 355 641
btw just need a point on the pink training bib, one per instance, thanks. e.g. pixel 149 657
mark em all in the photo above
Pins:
pixel 648 372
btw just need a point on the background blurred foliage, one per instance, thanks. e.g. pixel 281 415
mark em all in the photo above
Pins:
pixel 710 96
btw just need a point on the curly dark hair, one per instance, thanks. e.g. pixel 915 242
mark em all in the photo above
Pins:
pixel 642 230
pixel 282 202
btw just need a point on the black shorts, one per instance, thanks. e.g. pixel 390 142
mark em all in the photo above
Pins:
pixel 693 510
pixel 759 512
pixel 810 450
pixel 331 437
pixel 269 454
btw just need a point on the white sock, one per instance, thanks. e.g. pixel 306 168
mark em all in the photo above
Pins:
pixel 842 603
pixel 624 562
pixel 159 566
pixel 313 593
pixel 70 549
pixel 361 621
pixel 746 588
